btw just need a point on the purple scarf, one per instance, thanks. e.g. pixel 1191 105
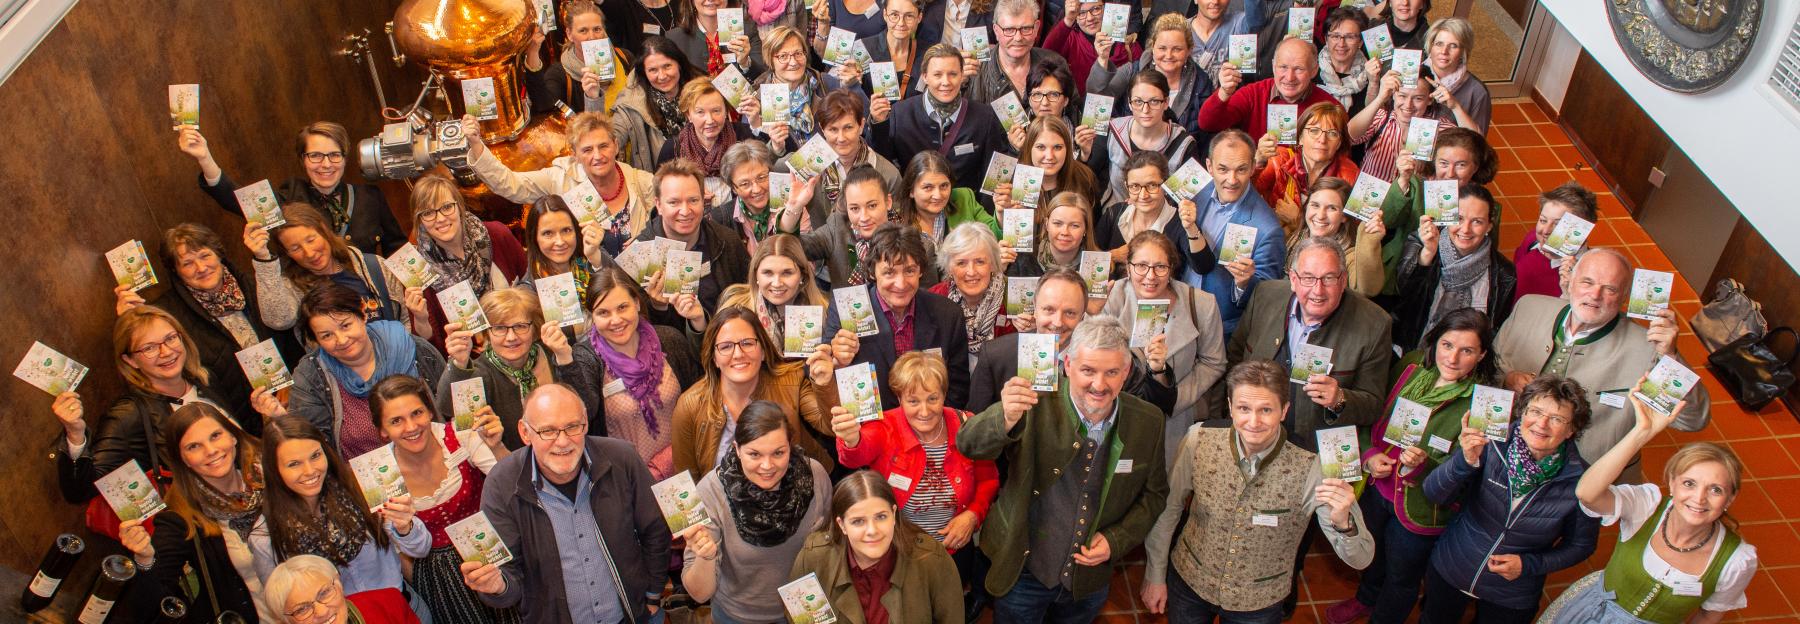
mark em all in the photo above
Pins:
pixel 642 375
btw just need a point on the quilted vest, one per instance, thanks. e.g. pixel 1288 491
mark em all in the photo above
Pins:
pixel 1224 554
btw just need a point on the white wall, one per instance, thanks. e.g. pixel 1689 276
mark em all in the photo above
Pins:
pixel 1740 140
pixel 1558 64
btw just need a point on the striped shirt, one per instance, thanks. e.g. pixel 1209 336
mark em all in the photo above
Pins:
pixel 1384 147
pixel 933 502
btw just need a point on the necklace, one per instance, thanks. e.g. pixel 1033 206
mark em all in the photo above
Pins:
pixel 1703 541
pixel 618 187
pixel 935 439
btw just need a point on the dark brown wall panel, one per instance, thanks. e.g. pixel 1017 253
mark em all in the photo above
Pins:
pixel 1618 135
pixel 90 162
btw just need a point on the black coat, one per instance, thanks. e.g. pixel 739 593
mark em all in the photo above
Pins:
pixel 128 431
pixel 372 226
pixel 217 347
pixel 175 553
pixel 931 25
pixel 909 130
pixel 1418 290
pixel 720 246
pixel 937 324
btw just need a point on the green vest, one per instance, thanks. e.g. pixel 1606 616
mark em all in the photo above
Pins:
pixel 1647 598
pixel 1561 348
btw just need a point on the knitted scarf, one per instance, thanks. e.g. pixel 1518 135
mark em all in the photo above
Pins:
pixel 766 518
pixel 524 376
pixel 688 146
pixel 1525 473
pixel 642 374
pixel 1456 278
pixel 337 533
pixel 1338 85
pixel 226 300
pixel 478 255
pixel 981 319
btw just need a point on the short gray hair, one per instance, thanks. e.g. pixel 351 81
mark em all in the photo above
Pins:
pixel 1322 242
pixel 1027 8
pixel 1100 333
pixel 1603 251
pixel 967 237
pixel 743 153
pixel 291 573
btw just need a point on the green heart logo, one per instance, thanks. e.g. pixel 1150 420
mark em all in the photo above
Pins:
pixel 1657 289
pixel 131 486
pixel 1498 409
pixel 1675 382
pixel 49 361
pixel 682 495
pixel 481 536
pixel 381 469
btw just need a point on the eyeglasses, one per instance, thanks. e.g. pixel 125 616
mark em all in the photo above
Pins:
pixel 515 329
pixel 1534 413
pixel 1309 281
pixel 1147 103
pixel 1343 37
pixel 172 342
pixel 1315 131
pixel 896 16
pixel 745 345
pixel 1141 268
pixel 433 214
pixel 573 431
pixel 319 157
pixel 1139 189
pixel 744 186
pixel 1045 96
pixel 790 57
pixel 1016 31
pixel 305 612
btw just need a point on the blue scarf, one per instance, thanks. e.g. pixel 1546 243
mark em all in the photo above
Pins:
pixel 395 354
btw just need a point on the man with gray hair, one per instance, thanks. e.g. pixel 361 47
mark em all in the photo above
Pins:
pixel 1312 307
pixel 1585 338
pixel 1016 29
pixel 1086 480
pixel 1296 64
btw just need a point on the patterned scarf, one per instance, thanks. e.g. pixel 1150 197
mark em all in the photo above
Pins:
pixel 670 111
pixel 688 146
pixel 715 60
pixel 1338 85
pixel 834 175
pixel 766 518
pixel 642 374
pixel 798 104
pixel 525 376
pixel 756 223
pixel 1526 473
pixel 1456 279
pixel 478 255
pixel 981 319
pixel 223 301
pixel 337 533
pixel 859 249
pixel 772 319
pixel 237 511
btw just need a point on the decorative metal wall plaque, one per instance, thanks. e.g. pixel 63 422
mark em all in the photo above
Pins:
pixel 1688 46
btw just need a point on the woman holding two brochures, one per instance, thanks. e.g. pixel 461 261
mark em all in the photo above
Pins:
pixel 519 353
pixel 1191 324
pixel 743 366
pixel 444 470
pixel 459 246
pixel 876 566
pixel 1405 523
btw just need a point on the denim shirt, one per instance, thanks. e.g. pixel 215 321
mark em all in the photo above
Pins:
pixel 588 583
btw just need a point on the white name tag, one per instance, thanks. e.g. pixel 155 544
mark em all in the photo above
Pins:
pixel 1611 399
pixel 730 59
pixel 935 351
pixel 1442 445
pixel 900 481
pixel 1267 520
pixel 1687 588
pixel 1123 467
pixel 965 149
pixel 617 386
pixel 454 459
pixel 652 29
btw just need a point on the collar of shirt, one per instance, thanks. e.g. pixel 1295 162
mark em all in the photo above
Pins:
pixel 1249 462
pixel 1275 94
pixel 1162 217
pixel 1299 331
pixel 1095 432
pixel 905 319
pixel 1571 336
pixel 931 110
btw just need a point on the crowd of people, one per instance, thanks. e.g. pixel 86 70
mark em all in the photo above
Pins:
pixel 974 488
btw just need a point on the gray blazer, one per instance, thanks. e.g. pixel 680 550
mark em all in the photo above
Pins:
pixel 1361 340
pixel 1196 361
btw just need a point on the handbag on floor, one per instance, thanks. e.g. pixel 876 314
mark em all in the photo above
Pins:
pixel 1731 315
pixel 1751 371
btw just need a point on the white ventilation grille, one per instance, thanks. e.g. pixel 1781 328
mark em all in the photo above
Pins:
pixel 1784 82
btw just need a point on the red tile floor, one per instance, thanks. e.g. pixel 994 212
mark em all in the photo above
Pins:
pixel 1536 155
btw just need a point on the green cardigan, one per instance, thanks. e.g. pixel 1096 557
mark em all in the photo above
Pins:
pixel 1038 448
pixel 965 209
pixel 1400 212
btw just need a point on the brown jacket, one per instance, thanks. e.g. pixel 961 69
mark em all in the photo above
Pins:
pixel 698 423
pixel 925 590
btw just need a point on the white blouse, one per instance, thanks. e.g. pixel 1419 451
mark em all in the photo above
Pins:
pixel 1634 504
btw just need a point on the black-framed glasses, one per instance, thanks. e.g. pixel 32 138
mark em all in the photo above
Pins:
pixel 790 57
pixel 729 348
pixel 896 16
pixel 1141 189
pixel 1142 268
pixel 1343 37
pixel 1309 281
pixel 515 329
pixel 172 342
pixel 1098 9
pixel 573 431
pixel 433 214
pixel 1016 31
pixel 1044 96
pixel 319 157
pixel 1147 102
pixel 305 612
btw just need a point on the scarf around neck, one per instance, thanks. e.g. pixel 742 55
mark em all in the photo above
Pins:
pixel 1526 473
pixel 525 377
pixel 395 354
pixel 478 255
pixel 337 533
pixel 226 300
pixel 1457 276
pixel 981 320
pixel 1422 387
pixel 766 518
pixel 642 374
pixel 235 511
pixel 1341 85
pixel 688 146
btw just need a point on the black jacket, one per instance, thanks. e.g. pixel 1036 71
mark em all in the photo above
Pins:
pixel 637 538
pixel 999 361
pixel 217 347
pixel 937 324
pixel 175 553
pixel 931 25
pixel 909 130
pixel 372 226
pixel 719 246
pixel 1418 290
pixel 127 431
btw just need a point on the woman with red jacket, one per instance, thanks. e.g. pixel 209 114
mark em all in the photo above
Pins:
pixel 913 446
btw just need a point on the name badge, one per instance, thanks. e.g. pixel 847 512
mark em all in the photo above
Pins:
pixel 652 29
pixel 1612 399
pixel 1123 467
pixel 1268 520
pixel 1442 445
pixel 730 59
pixel 964 149
pixel 900 481
pixel 454 459
pixel 935 351
pixel 617 386
pixel 1687 588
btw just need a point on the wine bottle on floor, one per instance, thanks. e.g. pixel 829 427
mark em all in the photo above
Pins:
pixel 173 610
pixel 64 552
pixel 115 571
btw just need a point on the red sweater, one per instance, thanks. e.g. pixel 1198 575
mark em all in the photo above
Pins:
pixel 1537 272
pixel 1249 108
pixel 1078 48
pixel 889 447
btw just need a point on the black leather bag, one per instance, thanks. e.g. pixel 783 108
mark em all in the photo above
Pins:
pixel 1751 371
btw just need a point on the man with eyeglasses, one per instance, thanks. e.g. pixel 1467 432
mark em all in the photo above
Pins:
pixel 1198 230
pixel 358 212
pixel 1237 105
pixel 1585 338
pixel 1015 53
pixel 964 130
pixel 588 540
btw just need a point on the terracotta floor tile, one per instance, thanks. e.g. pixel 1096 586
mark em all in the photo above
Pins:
pixel 1328 579
pixel 1536 159
pixel 1650 257
pixel 1515 184
pixel 1735 425
pixel 1592 181
pixel 1610 206
pixel 1535 114
pixel 1784 492
pixel 1781 424
pixel 1764 596
pixel 1684 291
pixel 1509 114
pixel 1765 458
pixel 1553 134
pixel 1517 136
pixel 1775 543
pixel 1752 504
pixel 1632 233
pixel 1569 155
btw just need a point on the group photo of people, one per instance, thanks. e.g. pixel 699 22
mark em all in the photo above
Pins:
pixel 914 311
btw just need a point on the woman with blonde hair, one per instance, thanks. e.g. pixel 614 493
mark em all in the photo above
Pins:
pixel 709 133
pixel 780 275
pixel 460 246
pixel 1323 216
pixel 519 352
pixel 307 589
pixel 566 77
pixel 618 198
pixel 1448 45
pixel 877 566
pixel 743 365
pixel 1065 229
pixel 788 58
pixel 313 255
pixel 1169 48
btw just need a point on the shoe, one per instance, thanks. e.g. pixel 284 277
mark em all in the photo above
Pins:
pixel 974 603
pixel 1346 611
